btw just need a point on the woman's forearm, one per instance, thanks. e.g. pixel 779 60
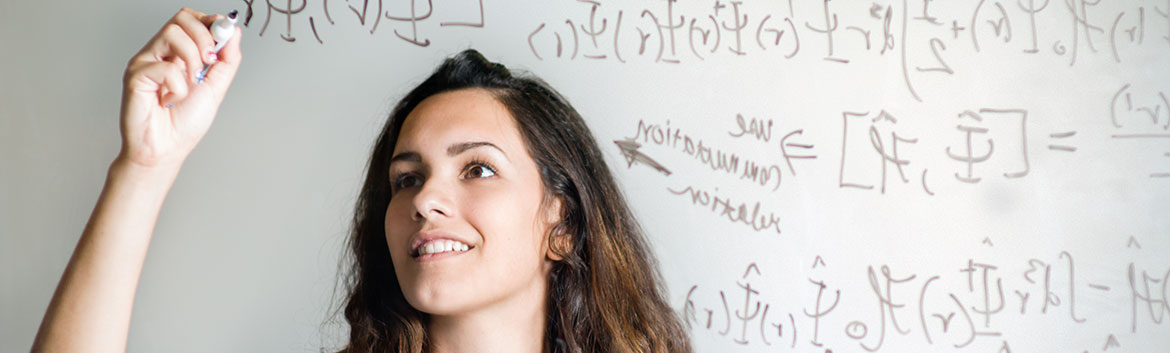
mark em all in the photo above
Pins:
pixel 91 308
pixel 167 107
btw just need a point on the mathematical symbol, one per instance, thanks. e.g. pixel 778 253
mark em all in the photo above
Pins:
pixel 1005 348
pixel 1061 135
pixel 956 28
pixel 946 321
pixel 1133 242
pixel 818 260
pixel 1111 342
pixel 749 270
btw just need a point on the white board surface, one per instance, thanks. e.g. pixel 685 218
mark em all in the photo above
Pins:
pixel 893 176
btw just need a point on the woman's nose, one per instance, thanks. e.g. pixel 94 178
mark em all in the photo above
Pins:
pixel 432 201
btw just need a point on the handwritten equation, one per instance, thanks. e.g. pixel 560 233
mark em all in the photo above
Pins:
pixel 985 142
pixel 670 33
pixel 959 307
pixel 739 28
pixel 921 35
pixel 369 13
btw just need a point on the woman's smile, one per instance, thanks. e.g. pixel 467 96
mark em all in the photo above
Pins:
pixel 433 246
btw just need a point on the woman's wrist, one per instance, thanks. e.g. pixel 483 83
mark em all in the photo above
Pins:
pixel 158 175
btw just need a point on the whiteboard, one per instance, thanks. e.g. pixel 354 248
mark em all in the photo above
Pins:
pixel 942 176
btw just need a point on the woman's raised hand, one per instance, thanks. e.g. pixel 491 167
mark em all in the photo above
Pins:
pixel 165 112
pixel 165 109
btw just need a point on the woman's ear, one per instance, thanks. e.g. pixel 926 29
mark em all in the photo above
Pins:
pixel 558 245
pixel 559 241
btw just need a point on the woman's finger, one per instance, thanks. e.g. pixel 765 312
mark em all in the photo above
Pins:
pixel 166 79
pixel 176 82
pixel 199 33
pixel 202 17
pixel 175 42
pixel 221 74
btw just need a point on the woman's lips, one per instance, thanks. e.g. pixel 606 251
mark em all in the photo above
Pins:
pixel 440 248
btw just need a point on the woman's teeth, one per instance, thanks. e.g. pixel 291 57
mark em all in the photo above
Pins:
pixel 442 246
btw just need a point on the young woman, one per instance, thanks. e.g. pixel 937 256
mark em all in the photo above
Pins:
pixel 488 221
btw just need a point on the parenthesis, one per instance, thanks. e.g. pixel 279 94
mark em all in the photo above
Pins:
pixel 974 15
pixel 617 29
pixel 793 321
pixel 533 47
pixel 377 19
pixel 325 5
pixel 1113 106
pixel 969 322
pixel 575 42
pixel 728 312
pixel 718 34
pixel 795 36
pixel 661 37
pixel 691 39
pixel 761 29
pixel 924 187
pixel 1113 37
pixel 922 311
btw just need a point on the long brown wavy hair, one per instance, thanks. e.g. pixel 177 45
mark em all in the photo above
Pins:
pixel 605 295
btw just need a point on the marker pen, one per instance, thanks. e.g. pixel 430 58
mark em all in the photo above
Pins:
pixel 222 31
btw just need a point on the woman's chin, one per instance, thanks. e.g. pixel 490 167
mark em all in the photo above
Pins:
pixel 442 300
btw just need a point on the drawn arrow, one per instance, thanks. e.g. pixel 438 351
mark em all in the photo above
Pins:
pixel 630 151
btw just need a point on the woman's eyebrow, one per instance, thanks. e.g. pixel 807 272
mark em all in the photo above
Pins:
pixel 452 151
pixel 464 146
pixel 406 156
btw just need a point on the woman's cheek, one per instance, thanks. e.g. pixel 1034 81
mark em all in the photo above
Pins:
pixel 397 225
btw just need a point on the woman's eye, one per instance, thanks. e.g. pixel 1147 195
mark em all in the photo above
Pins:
pixel 406 181
pixel 480 171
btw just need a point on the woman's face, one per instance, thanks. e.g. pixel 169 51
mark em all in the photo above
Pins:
pixel 465 226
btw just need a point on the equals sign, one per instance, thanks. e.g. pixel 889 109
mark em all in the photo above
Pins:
pixel 788 157
pixel 1061 135
pixel 1161 175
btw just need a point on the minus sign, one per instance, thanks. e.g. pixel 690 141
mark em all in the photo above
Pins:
pixel 1142 136
pixel 1098 286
